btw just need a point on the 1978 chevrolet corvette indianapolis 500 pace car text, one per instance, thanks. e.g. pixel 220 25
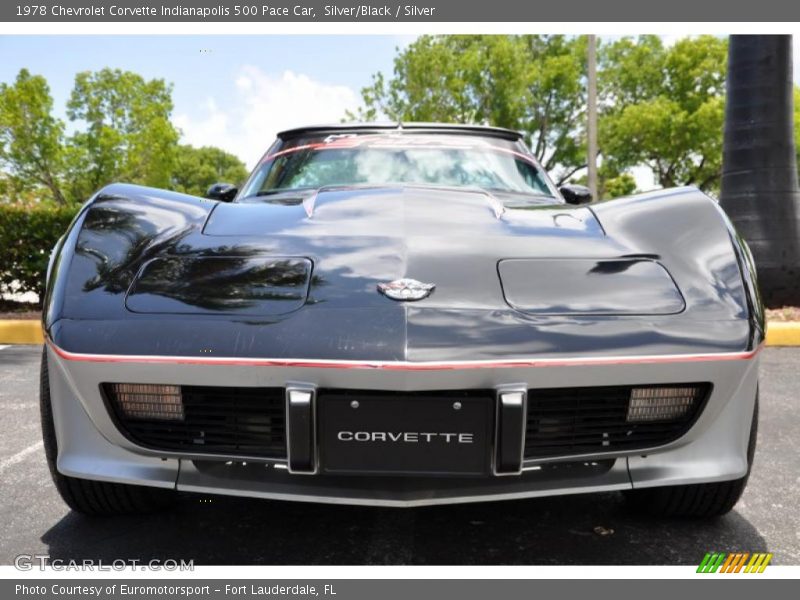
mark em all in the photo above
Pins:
pixel 400 315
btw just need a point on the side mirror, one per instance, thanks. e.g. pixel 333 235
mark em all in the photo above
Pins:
pixel 576 194
pixel 224 192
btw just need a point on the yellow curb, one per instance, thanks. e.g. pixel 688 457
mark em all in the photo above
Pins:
pixel 779 333
pixel 21 331
pixel 783 333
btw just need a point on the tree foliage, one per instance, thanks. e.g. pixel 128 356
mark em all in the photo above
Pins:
pixel 28 233
pixel 198 168
pixel 122 132
pixel 660 107
pixel 31 139
pixel 531 83
pixel 623 184
pixel 664 107
pixel 610 182
pixel 128 135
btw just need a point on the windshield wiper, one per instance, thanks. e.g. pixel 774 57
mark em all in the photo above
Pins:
pixel 270 193
pixel 291 192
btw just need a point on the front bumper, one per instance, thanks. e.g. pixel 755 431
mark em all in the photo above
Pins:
pixel 714 449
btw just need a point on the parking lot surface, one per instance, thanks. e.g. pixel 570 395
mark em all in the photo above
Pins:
pixel 590 529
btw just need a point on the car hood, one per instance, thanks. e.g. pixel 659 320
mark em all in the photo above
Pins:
pixel 169 274
pixel 454 239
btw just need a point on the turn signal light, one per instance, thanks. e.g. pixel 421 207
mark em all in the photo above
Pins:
pixel 148 401
pixel 662 403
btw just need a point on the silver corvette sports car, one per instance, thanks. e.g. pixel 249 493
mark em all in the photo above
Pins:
pixel 400 315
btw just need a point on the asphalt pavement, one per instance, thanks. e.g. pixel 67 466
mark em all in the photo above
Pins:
pixel 581 529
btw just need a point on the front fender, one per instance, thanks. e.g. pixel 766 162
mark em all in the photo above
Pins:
pixel 114 233
pixel 694 239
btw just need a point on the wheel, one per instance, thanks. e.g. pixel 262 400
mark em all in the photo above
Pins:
pixel 702 500
pixel 95 498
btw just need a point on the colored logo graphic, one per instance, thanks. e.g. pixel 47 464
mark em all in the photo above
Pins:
pixel 737 562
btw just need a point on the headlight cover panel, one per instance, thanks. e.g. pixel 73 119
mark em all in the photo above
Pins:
pixel 242 285
pixel 589 286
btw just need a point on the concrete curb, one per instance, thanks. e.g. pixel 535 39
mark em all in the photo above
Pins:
pixel 779 333
pixel 20 331
pixel 783 333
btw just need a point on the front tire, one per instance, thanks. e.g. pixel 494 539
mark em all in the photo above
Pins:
pixel 701 500
pixel 94 498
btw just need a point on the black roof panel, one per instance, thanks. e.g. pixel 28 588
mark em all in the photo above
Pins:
pixel 383 127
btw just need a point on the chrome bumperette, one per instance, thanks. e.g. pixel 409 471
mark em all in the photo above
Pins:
pixel 301 421
pixel 510 426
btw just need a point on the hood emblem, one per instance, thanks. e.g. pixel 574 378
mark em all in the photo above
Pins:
pixel 406 289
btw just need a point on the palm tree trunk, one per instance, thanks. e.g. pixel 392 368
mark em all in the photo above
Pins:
pixel 759 172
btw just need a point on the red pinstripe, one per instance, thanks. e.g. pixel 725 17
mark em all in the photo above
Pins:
pixel 405 366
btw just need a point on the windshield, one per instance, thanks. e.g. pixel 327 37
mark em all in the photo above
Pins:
pixel 398 159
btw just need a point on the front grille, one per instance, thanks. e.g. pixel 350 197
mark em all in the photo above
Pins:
pixel 570 421
pixel 243 421
pixel 234 421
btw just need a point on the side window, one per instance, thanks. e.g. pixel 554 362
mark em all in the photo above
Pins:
pixel 532 176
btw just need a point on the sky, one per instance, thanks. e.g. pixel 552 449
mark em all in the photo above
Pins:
pixel 234 92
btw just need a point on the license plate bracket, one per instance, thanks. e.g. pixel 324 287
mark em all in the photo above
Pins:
pixel 405 434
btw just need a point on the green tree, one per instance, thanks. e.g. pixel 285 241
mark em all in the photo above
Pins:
pixel 31 139
pixel 664 107
pixel 611 183
pixel 531 83
pixel 128 135
pixel 198 168
pixel 623 184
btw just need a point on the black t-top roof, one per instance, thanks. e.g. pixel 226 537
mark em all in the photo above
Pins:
pixel 340 128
